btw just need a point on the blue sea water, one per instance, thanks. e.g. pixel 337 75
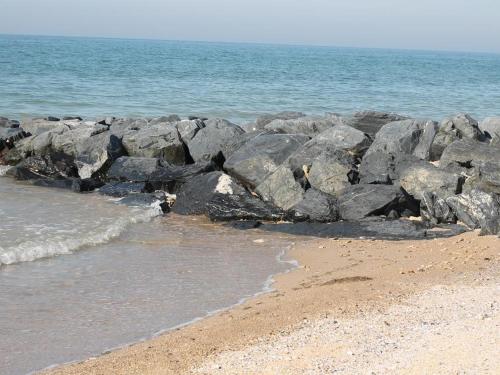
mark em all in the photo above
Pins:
pixel 92 77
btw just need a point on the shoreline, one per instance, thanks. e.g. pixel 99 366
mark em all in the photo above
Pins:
pixel 325 284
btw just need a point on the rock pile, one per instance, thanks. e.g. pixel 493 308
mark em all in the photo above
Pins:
pixel 286 166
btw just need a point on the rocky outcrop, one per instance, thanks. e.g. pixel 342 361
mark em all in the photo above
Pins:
pixel 490 127
pixel 315 206
pixel 370 122
pixel 305 125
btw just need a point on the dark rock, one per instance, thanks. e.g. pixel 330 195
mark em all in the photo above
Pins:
pixel 241 139
pixel 461 126
pixel 315 206
pixel 52 118
pixel 84 185
pixel 213 140
pixel 261 156
pixel 360 201
pixel 477 209
pixel 435 209
pixel 229 207
pixel 370 122
pixel 378 168
pixel 69 118
pixel 6 123
pixel 403 137
pixel 305 125
pixel 105 120
pixel 281 189
pixel 245 225
pixel 122 189
pixel 169 177
pixel 133 169
pixel 262 121
pixel 157 141
pixel 50 166
pixel 9 137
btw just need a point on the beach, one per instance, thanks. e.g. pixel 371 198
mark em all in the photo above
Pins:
pixel 352 306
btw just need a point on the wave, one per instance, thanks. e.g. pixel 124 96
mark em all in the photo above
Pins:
pixel 32 250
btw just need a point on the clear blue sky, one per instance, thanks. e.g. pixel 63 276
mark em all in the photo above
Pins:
pixel 466 25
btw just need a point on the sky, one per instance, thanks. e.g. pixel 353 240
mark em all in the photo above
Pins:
pixel 460 25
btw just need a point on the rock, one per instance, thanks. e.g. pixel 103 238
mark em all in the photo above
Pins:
pixel 69 118
pixel 169 177
pixel 6 123
pixel 133 169
pixel 49 166
pixel 490 127
pixel 344 137
pixel 488 176
pixel 403 137
pixel 370 122
pixel 188 129
pixel 461 126
pixel 165 119
pixel 477 209
pixel 122 189
pixel 108 120
pixel 157 141
pixel 9 136
pixel 146 200
pixel 315 206
pixel 360 201
pixel 79 185
pixel 262 121
pixel 281 189
pixel 241 139
pixel 305 125
pixel 261 156
pixel 229 207
pixel 213 140
pixel 378 168
pixel 435 209
pixel 420 177
pixel 332 171
pixel 468 153
pixel 424 146
pixel 124 125
pixel 52 118
pixel 39 126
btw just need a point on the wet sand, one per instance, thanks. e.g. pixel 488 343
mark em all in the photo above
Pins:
pixel 354 283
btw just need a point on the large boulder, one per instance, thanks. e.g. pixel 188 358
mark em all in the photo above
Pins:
pixel 304 125
pixel 231 207
pixel 281 188
pixel 434 209
pixel 263 120
pixel 133 169
pixel 490 127
pixel 461 126
pixel 344 137
pixel 38 126
pixel 315 206
pixel 468 153
pixel 261 156
pixel 404 137
pixel 477 209
pixel 370 122
pixel 164 119
pixel 213 140
pixel 49 166
pixel 359 201
pixel 169 177
pixel 156 141
pixel 188 129
pixel 120 126
pixel 332 171
pixel 378 168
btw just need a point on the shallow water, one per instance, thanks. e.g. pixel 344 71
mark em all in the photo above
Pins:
pixel 92 77
pixel 151 277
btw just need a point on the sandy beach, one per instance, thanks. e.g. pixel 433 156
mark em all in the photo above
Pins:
pixel 352 306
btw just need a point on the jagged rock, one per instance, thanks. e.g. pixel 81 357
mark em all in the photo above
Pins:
pixel 344 137
pixel 241 139
pixel 468 153
pixel 188 129
pixel 332 171
pixel 281 189
pixel 261 156
pixel 169 177
pixel 228 207
pixel 133 169
pixel 360 201
pixel 121 126
pixel 490 127
pixel 419 177
pixel 378 168
pixel 477 209
pixel 157 141
pixel 304 125
pixel 262 121
pixel 39 126
pixel 213 140
pixel 315 206
pixel 9 136
pixel 370 122
pixel 461 126
pixel 403 137
pixel 122 189
pixel 50 166
pixel 435 209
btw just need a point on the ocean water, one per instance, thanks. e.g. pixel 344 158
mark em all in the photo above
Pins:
pixel 93 77
pixel 125 274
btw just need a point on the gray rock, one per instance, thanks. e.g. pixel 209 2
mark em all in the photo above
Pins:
pixel 157 141
pixel 133 169
pixel 122 189
pixel 188 129
pixel 305 125
pixel 461 126
pixel 164 119
pixel 468 153
pixel 6 123
pixel 370 122
pixel 344 137
pixel 121 126
pixel 403 137
pixel 332 172
pixel 281 189
pixel 230 207
pixel 378 168
pixel 262 121
pixel 490 127
pixel 213 140
pixel 9 137
pixel 360 201
pixel 477 209
pixel 315 206
pixel 39 126
pixel 435 209
pixel 261 156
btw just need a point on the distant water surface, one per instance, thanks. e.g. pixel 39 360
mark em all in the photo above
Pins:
pixel 92 77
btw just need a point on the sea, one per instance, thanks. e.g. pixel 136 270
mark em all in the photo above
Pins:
pixel 81 274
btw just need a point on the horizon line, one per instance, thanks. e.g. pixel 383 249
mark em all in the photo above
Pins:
pixel 284 44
